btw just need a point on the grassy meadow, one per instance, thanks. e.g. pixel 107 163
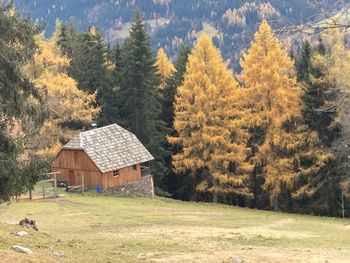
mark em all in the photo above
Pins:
pixel 95 228
pixel 123 32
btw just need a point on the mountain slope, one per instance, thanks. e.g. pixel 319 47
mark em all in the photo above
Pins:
pixel 172 22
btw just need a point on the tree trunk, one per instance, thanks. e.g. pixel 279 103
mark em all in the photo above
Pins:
pixel 215 194
pixel 276 205
pixel 332 203
pixel 215 198
pixel 255 191
pixel 30 194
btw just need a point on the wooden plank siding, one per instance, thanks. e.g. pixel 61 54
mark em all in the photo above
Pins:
pixel 74 159
pixel 126 175
pixel 78 163
pixel 91 179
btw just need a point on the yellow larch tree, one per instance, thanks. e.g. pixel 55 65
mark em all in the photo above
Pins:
pixel 165 67
pixel 61 101
pixel 212 147
pixel 338 58
pixel 283 148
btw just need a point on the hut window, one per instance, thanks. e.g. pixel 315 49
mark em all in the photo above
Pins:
pixel 116 173
pixel 134 167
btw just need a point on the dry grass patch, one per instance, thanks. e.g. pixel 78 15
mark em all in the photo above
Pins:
pixel 106 229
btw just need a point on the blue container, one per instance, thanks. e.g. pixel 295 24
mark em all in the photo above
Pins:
pixel 99 189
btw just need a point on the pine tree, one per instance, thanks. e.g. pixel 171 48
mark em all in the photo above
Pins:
pixel 108 97
pixel 284 150
pixel 303 62
pixel 165 68
pixel 91 68
pixel 16 48
pixel 108 101
pixel 67 37
pixel 320 93
pixel 88 63
pixel 116 58
pixel 139 103
pixel 174 81
pixel 176 184
pixel 212 147
pixel 32 172
pixel 338 66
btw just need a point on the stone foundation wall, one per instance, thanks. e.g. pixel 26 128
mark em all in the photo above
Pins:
pixel 143 187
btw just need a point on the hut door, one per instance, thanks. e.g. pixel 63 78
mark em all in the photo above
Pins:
pixel 71 178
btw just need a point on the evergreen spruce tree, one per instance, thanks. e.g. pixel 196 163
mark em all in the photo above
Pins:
pixel 179 185
pixel 89 67
pixel 109 100
pixel 67 37
pixel 108 96
pixel 88 62
pixel 320 93
pixel 116 59
pixel 62 41
pixel 303 62
pixel 16 48
pixel 338 66
pixel 139 101
pixel 174 81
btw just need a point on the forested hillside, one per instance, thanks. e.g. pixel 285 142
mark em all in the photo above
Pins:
pixel 172 22
pixel 273 135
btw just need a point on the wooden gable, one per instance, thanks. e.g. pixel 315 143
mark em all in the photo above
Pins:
pixel 75 160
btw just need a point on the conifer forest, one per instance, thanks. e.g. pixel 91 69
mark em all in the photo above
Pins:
pixel 253 116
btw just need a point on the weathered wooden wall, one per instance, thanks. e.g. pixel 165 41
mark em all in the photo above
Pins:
pixel 77 163
pixel 126 175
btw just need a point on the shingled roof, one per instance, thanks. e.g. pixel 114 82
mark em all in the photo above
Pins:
pixel 110 147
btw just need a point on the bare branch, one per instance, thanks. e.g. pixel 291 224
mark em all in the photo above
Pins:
pixel 335 106
pixel 327 20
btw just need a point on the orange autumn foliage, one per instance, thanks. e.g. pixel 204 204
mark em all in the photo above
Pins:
pixel 165 68
pixel 213 147
pixel 287 152
pixel 61 100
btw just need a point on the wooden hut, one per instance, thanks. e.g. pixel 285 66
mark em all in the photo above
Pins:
pixel 109 156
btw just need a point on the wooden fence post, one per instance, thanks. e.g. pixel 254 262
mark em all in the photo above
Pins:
pixel 55 185
pixel 343 206
pixel 82 183
pixel 43 189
